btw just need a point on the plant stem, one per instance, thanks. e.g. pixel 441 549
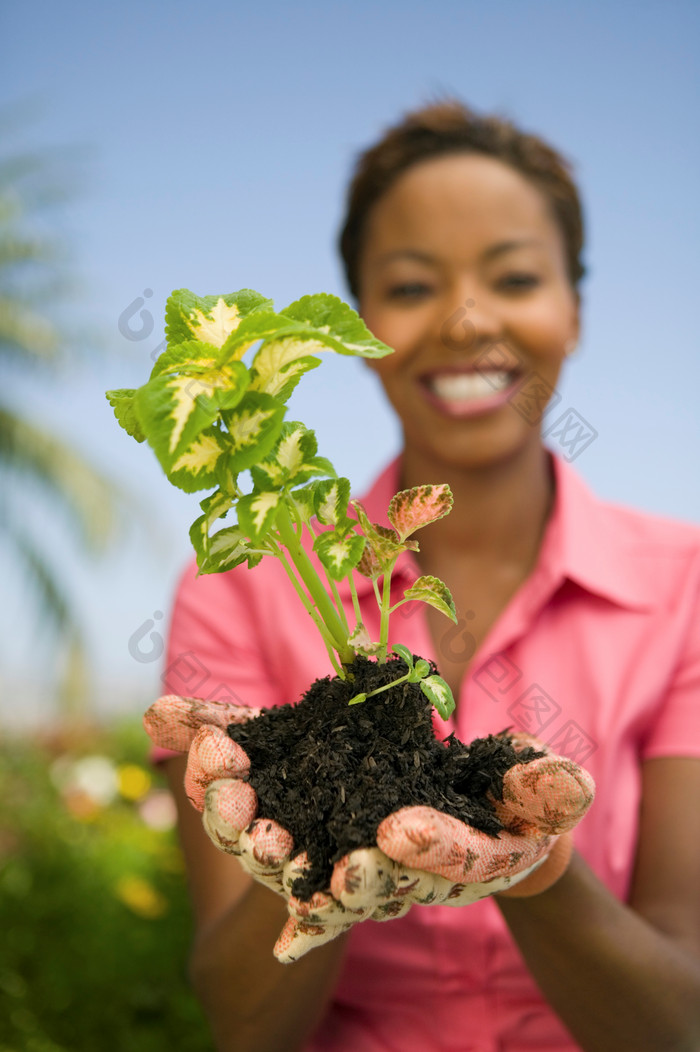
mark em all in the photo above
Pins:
pixel 355 600
pixel 384 623
pixel 388 686
pixel 308 605
pixel 319 596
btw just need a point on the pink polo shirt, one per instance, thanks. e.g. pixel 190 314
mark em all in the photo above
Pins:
pixel 598 654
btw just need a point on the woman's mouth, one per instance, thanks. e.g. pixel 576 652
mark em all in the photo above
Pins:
pixel 470 393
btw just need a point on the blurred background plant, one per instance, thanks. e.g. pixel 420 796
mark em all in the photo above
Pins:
pixel 93 907
pixel 94 917
pixel 47 483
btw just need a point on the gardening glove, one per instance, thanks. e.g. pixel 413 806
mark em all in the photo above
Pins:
pixel 215 784
pixel 431 853
pixel 541 803
pixel 425 857
pixel 199 728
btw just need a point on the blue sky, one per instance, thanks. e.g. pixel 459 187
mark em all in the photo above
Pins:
pixel 216 144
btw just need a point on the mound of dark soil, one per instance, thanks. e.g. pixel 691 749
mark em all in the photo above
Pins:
pixel 329 772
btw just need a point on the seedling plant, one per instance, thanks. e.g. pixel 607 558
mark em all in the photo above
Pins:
pixel 218 423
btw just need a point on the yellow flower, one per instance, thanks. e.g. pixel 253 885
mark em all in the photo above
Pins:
pixel 134 781
pixel 141 897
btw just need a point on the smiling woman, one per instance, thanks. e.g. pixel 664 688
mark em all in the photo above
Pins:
pixel 579 621
pixel 465 233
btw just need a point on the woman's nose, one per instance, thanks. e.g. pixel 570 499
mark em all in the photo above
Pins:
pixel 471 323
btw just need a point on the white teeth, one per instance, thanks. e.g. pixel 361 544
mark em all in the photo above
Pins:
pixel 463 386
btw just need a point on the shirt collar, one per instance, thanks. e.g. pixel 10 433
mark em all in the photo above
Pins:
pixel 583 541
pixel 588 542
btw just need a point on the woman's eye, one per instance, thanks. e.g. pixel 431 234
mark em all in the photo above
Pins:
pixel 409 290
pixel 519 281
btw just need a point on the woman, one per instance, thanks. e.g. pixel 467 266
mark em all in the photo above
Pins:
pixel 578 622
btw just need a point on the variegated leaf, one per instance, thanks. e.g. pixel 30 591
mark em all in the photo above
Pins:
pixel 279 365
pixel 435 592
pixel 215 506
pixel 383 545
pixel 305 500
pixel 195 467
pixel 122 402
pixel 209 318
pixel 339 554
pixel 336 325
pixel 332 498
pixel 175 408
pixel 181 356
pixel 361 642
pixel 370 564
pixel 413 508
pixel 256 513
pixel 254 426
pixel 293 460
pixel 226 549
pixel 439 694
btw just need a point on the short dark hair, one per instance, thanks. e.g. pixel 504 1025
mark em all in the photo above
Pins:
pixel 451 127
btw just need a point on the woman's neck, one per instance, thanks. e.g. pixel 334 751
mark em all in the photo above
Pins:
pixel 500 511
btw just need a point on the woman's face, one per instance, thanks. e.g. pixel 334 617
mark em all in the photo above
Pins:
pixel 463 273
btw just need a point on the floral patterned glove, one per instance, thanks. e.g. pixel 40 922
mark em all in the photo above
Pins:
pixel 423 856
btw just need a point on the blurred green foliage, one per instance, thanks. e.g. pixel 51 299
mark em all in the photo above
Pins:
pixel 94 917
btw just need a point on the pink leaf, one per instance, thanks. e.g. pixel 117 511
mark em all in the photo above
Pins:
pixel 413 508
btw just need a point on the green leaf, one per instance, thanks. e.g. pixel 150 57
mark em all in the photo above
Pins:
pixel 421 669
pixel 227 548
pixel 176 408
pixel 209 318
pixel 257 512
pixel 280 364
pixel 336 325
pixel 179 357
pixel 196 466
pixel 122 402
pixel 253 426
pixel 332 499
pixel 435 592
pixel 339 554
pixel 293 460
pixel 404 653
pixel 215 506
pixel 358 699
pixel 414 508
pixel 439 693
pixel 305 501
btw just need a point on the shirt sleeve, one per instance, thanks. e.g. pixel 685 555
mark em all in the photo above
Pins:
pixel 676 730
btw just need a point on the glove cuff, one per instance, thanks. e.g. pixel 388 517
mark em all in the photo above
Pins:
pixel 554 866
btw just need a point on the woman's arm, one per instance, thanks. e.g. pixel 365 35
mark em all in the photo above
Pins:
pixel 627 976
pixel 253 1003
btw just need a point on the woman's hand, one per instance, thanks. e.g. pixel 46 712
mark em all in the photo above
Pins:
pixel 423 857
